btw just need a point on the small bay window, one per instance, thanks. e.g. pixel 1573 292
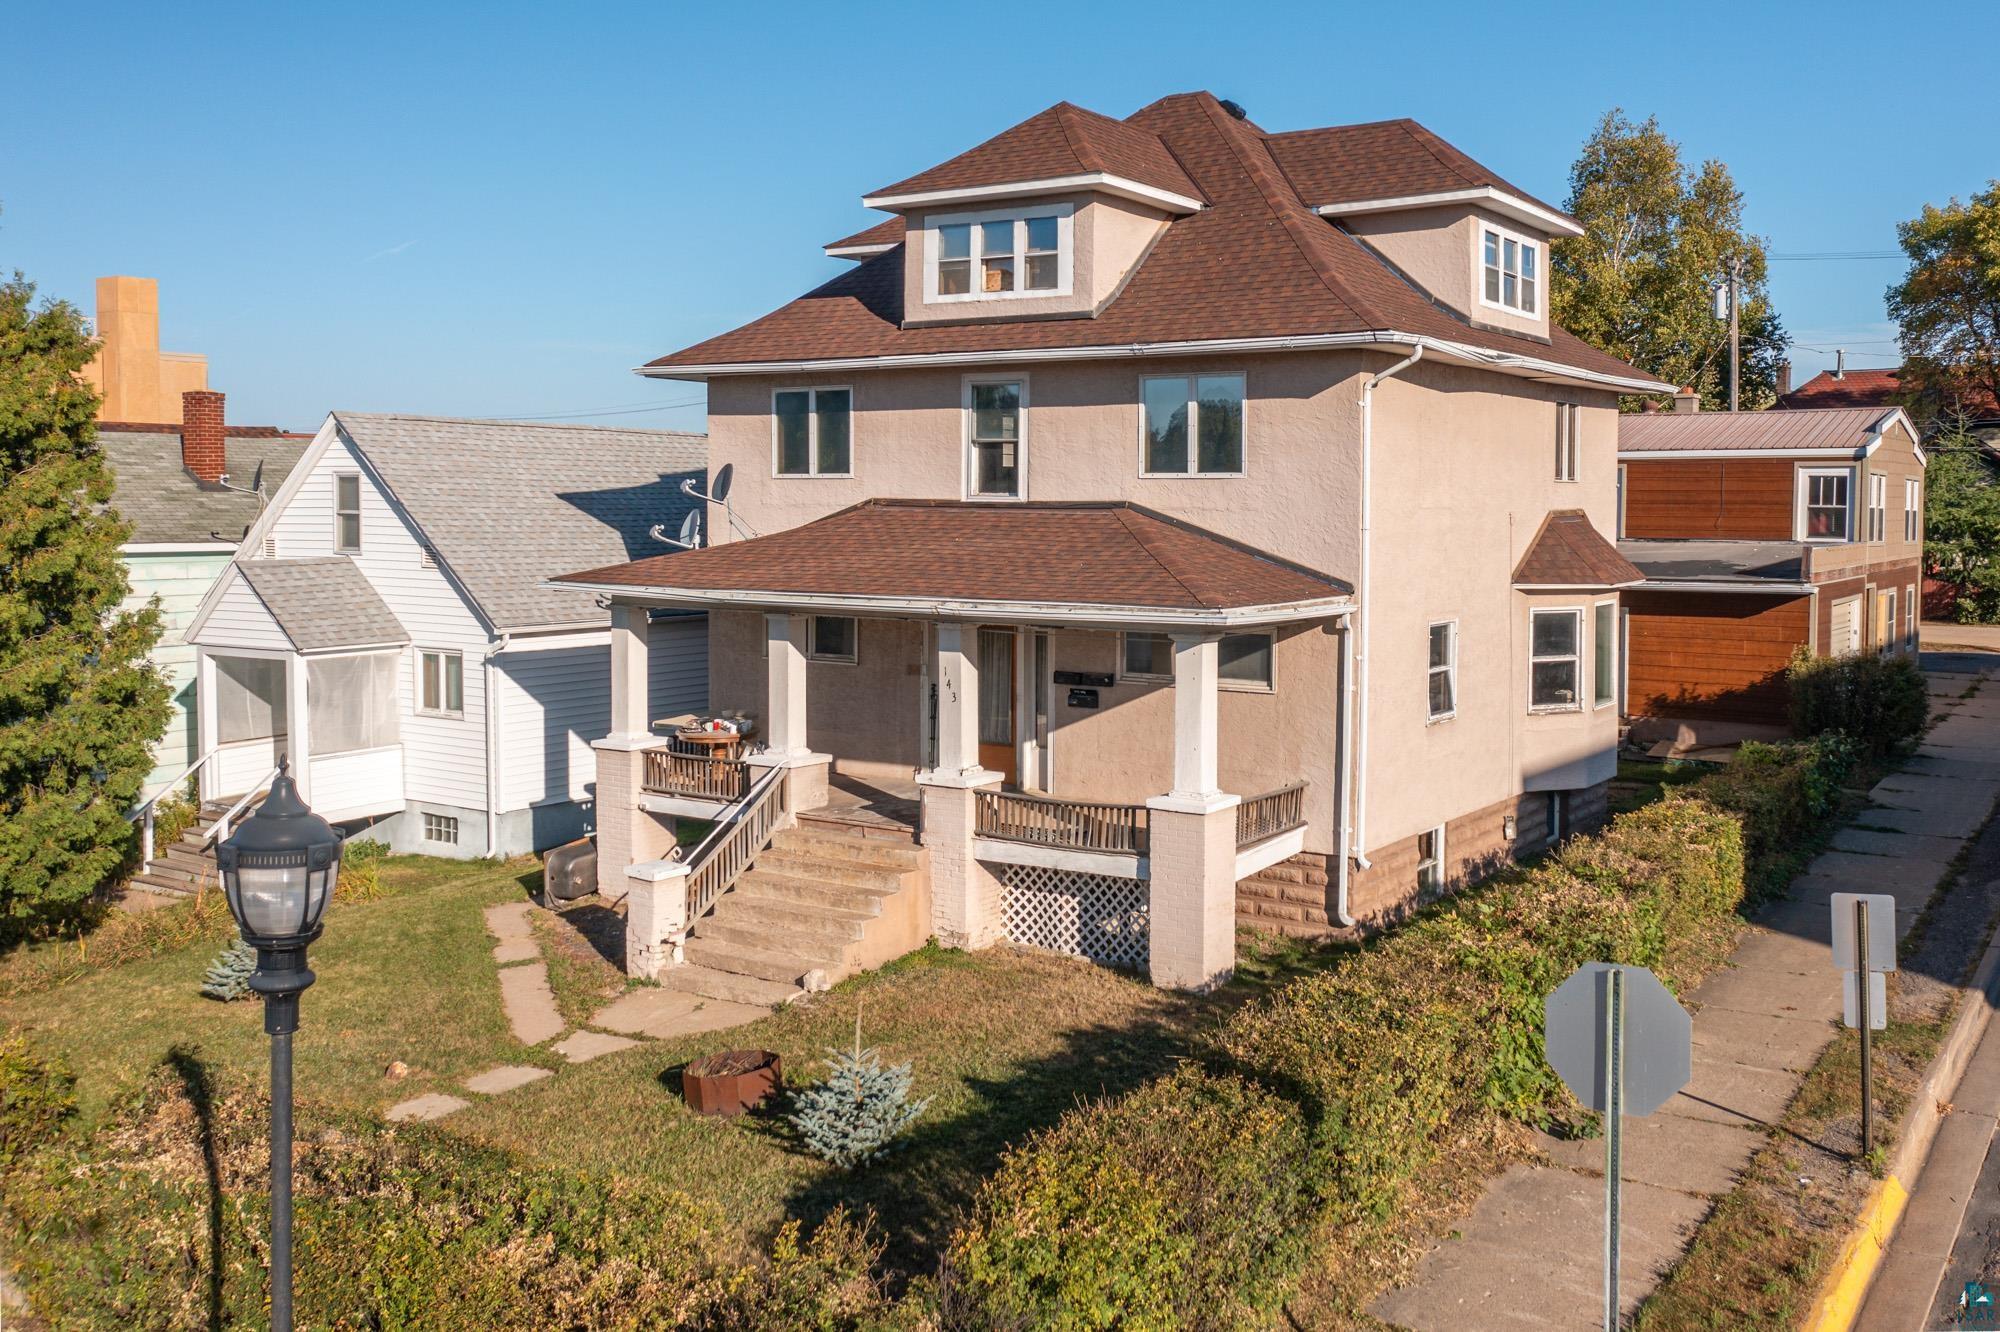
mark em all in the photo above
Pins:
pixel 1555 660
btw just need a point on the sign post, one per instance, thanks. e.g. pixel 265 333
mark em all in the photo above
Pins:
pixel 1619 1042
pixel 1864 948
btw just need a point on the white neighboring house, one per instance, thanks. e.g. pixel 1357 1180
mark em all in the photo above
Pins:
pixel 385 625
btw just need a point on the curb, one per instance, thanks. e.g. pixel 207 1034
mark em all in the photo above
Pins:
pixel 1847 1282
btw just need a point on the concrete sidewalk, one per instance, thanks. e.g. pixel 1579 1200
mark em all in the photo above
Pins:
pixel 1530 1254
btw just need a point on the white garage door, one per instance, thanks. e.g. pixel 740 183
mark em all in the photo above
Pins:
pixel 1846 634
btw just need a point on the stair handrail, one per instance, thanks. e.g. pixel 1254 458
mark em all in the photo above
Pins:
pixel 147 814
pixel 220 828
pixel 737 838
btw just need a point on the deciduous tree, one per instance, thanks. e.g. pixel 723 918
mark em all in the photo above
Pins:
pixel 1948 307
pixel 1962 524
pixel 1639 283
pixel 80 705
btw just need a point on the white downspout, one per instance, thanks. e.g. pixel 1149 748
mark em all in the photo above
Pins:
pixel 1345 730
pixel 493 745
pixel 1359 847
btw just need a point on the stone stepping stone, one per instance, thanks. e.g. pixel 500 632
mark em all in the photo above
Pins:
pixel 529 1004
pixel 587 1045
pixel 516 950
pixel 509 921
pixel 431 1105
pixel 505 1079
pixel 663 1014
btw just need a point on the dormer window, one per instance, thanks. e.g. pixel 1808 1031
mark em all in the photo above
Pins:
pixel 1512 271
pixel 988 256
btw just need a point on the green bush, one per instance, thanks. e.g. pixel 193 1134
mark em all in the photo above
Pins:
pixel 1184 1205
pixel 1782 796
pixel 37 1099
pixel 1878 701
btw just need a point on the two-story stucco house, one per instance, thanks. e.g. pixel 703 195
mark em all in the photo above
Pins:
pixel 1192 523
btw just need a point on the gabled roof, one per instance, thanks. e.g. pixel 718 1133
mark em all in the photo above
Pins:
pixel 1062 142
pixel 323 603
pixel 1114 561
pixel 1568 552
pixel 1818 431
pixel 1396 163
pixel 1872 388
pixel 502 502
pixel 1256 265
pixel 168 505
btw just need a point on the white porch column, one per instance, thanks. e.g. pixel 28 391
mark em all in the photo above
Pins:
pixel 1191 837
pixel 785 712
pixel 965 895
pixel 204 722
pixel 298 741
pixel 630 683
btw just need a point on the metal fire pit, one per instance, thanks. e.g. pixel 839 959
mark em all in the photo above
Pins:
pixel 730 1082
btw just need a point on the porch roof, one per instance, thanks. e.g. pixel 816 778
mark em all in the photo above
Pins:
pixel 1108 562
pixel 324 603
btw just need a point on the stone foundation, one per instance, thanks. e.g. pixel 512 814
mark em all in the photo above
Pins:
pixel 1297 896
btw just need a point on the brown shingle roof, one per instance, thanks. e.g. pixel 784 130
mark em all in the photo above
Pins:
pixel 889 232
pixel 1802 430
pixel 1569 552
pixel 1039 554
pixel 1389 159
pixel 1255 263
pixel 1064 140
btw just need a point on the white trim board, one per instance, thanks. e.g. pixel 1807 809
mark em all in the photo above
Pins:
pixel 1510 206
pixel 1116 864
pixel 1103 182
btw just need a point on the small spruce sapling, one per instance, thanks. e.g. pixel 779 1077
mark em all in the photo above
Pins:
pixel 859 1110
pixel 229 975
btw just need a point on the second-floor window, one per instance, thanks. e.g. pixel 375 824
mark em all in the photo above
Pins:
pixel 1824 495
pixel 1878 507
pixel 814 431
pixel 1025 252
pixel 1512 271
pixel 1566 414
pixel 1913 509
pixel 995 438
pixel 1444 671
pixel 440 683
pixel 1193 425
pixel 347 512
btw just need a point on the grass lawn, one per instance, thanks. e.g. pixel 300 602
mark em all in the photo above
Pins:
pixel 1003 1042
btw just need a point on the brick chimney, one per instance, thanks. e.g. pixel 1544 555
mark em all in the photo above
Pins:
pixel 1687 402
pixel 201 434
pixel 1784 378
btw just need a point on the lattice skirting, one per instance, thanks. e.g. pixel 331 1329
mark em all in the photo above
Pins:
pixel 1097 916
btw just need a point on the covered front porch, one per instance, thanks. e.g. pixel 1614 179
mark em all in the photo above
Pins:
pixel 1090 776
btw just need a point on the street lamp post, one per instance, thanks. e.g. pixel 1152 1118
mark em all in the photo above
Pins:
pixel 278 873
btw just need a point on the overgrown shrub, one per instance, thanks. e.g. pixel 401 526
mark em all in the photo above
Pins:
pixel 1878 701
pixel 1185 1205
pixel 1781 795
pixel 37 1098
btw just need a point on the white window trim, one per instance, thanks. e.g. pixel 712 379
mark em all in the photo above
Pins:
pixel 1569 450
pixel 1891 622
pixel 338 513
pixel 1582 645
pixel 1612 675
pixel 1912 508
pixel 1063 213
pixel 417 684
pixel 812 637
pixel 1228 686
pixel 1800 523
pixel 1540 312
pixel 812 472
pixel 1878 508
pixel 1194 426
pixel 1910 616
pixel 1437 861
pixel 1450 668
pixel 965 465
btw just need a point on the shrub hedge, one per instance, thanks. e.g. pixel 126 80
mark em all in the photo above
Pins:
pixel 1878 701
pixel 1356 1074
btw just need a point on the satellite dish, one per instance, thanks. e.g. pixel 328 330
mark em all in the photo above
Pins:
pixel 691 530
pixel 718 486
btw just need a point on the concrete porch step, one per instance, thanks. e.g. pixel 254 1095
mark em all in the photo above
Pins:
pixel 801 888
pixel 784 913
pixel 787 968
pixel 153 881
pixel 817 948
pixel 826 844
pixel 796 864
pixel 728 986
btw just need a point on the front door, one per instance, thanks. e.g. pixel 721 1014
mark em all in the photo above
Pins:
pixel 998 739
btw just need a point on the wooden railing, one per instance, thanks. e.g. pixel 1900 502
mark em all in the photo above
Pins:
pixel 722 856
pixel 1074 825
pixel 1269 814
pixel 669 773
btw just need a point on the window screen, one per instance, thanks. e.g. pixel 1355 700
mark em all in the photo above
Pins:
pixel 351 702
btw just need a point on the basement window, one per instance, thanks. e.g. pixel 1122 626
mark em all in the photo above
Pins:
pixel 440 828
pixel 1430 862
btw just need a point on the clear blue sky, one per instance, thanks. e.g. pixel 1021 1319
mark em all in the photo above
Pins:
pixel 497 210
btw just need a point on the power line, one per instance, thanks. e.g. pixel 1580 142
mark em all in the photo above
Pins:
pixel 616 411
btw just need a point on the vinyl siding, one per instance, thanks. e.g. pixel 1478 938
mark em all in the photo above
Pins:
pixel 180 581
pixel 555 702
pixel 241 620
pixel 444 758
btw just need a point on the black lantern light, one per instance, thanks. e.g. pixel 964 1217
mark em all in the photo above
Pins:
pixel 278 872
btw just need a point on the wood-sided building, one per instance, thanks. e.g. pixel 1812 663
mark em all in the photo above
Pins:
pixel 1760 533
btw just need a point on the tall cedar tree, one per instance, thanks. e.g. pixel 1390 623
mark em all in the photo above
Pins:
pixel 80 705
pixel 1948 308
pixel 1640 282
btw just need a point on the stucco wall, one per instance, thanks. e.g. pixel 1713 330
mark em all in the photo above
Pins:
pixel 1440 250
pixel 1109 238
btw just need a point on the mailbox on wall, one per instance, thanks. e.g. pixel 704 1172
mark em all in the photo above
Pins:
pixel 1083 698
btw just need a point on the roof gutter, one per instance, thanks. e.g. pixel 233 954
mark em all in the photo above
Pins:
pixel 1385 340
pixel 1769 587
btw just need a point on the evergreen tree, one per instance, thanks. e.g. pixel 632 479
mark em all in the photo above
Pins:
pixel 860 1110
pixel 80 705
pixel 229 975
pixel 1640 282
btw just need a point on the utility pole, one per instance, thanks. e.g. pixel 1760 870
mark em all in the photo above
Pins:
pixel 1735 333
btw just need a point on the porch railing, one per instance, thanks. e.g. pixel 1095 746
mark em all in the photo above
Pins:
pixel 1074 825
pixel 147 815
pixel 1269 814
pixel 722 856
pixel 709 778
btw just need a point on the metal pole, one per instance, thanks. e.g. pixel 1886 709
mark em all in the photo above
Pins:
pixel 281 1181
pixel 1614 1135
pixel 1735 340
pixel 1863 984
